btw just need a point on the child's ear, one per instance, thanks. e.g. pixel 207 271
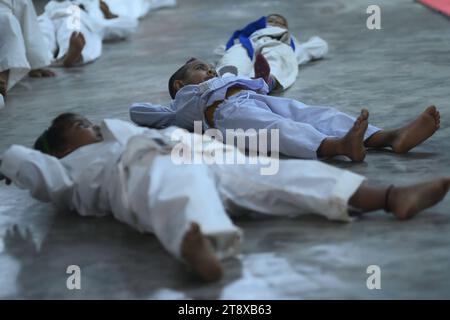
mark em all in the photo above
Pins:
pixel 178 84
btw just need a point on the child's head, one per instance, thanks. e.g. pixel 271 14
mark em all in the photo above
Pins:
pixel 68 132
pixel 194 71
pixel 277 20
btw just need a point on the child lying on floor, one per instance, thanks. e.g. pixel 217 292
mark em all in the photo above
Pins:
pixel 268 39
pixel 128 171
pixel 74 30
pixel 307 132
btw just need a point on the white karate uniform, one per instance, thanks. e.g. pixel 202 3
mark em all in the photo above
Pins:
pixel 137 8
pixel 302 128
pixel 131 174
pixel 274 44
pixel 111 29
pixel 60 20
pixel 22 46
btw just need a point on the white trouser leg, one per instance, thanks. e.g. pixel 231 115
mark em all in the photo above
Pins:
pixel 296 139
pixel 37 51
pixel 12 48
pixel 93 47
pixel 49 32
pixel 300 187
pixel 329 121
pixel 237 56
pixel 166 198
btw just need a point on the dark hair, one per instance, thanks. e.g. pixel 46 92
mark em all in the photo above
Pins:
pixel 53 140
pixel 279 16
pixel 180 74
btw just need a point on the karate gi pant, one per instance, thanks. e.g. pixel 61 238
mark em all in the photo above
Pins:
pixel 58 30
pixel 22 46
pixel 302 128
pixel 163 198
pixel 167 198
pixel 280 56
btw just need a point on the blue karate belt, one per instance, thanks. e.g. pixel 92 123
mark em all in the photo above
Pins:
pixel 244 34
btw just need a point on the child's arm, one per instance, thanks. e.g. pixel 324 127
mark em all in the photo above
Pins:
pixel 152 115
pixel 43 175
pixel 179 195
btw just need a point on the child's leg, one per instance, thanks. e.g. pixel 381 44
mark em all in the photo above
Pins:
pixel 14 64
pixel 80 45
pixel 49 33
pixel 299 187
pixel 404 139
pixel 335 123
pixel 37 50
pixel 190 222
pixel 304 186
pixel 327 120
pixel 296 139
pixel 237 56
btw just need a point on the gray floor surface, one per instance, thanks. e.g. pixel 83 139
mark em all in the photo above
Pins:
pixel 395 72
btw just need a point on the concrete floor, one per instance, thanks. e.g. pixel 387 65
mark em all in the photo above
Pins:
pixel 395 72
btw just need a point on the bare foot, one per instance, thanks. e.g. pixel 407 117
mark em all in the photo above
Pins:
pixel 351 145
pixel 417 131
pixel 73 55
pixel 41 73
pixel 405 202
pixel 106 12
pixel 198 253
pixel 353 142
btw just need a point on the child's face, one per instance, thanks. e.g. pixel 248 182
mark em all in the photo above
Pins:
pixel 81 132
pixel 277 21
pixel 198 72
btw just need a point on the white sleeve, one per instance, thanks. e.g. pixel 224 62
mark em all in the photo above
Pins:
pixel 152 115
pixel 44 176
pixel 313 49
